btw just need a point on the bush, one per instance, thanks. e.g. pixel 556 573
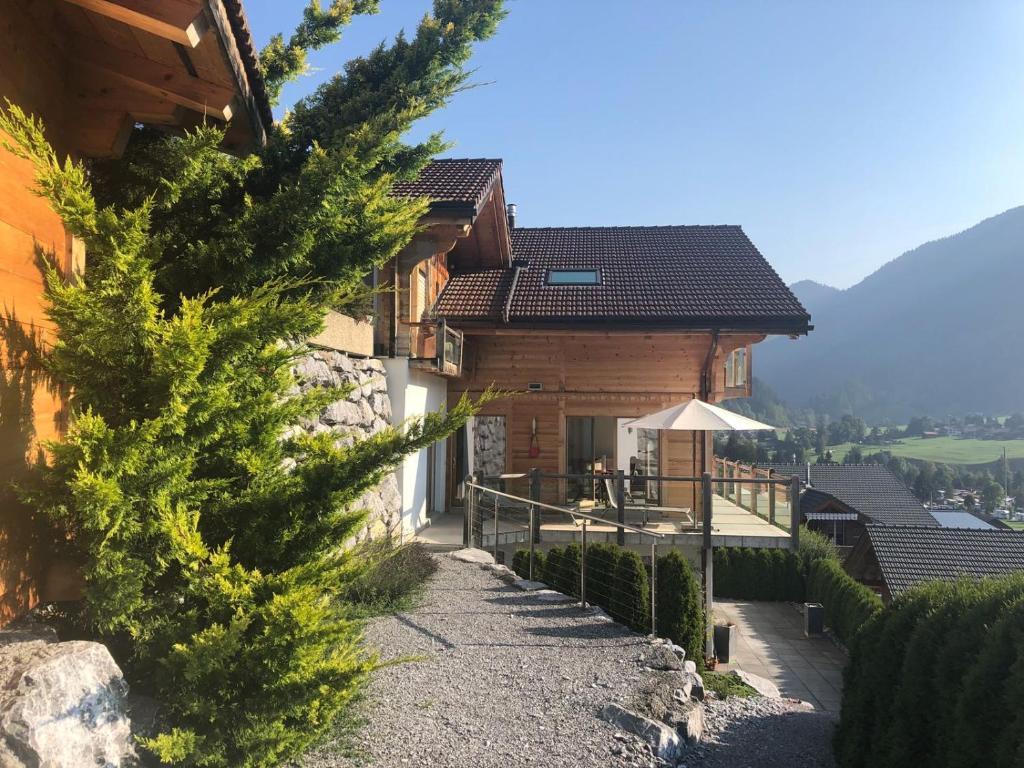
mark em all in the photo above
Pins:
pixel 521 563
pixel 757 574
pixel 680 609
pixel 929 676
pixel 567 578
pixel 389 577
pixel 848 604
pixel 630 605
pixel 601 560
pixel 552 566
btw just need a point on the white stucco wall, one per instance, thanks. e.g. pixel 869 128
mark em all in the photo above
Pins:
pixel 415 393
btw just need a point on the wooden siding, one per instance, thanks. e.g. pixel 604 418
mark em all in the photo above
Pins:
pixel 592 374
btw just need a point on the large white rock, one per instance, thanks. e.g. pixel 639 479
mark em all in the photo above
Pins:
pixel 474 556
pixel 760 684
pixel 62 705
pixel 662 739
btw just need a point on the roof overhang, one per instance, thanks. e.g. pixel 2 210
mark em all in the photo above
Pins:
pixel 172 65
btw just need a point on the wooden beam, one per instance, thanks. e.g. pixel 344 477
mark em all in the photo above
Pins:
pixel 170 83
pixel 176 20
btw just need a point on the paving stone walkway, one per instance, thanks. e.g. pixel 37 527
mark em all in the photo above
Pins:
pixel 769 641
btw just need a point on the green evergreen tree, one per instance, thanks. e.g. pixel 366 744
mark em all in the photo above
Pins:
pixel 211 537
pixel 680 611
pixel 631 599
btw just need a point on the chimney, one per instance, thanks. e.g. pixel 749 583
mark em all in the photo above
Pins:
pixel 808 473
pixel 510 212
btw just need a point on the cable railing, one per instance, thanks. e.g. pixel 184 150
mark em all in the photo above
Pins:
pixel 593 574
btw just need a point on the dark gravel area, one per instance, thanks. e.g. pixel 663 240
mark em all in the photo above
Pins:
pixel 762 733
pixel 502 679
pixel 494 677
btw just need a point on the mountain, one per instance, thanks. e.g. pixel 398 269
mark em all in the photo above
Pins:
pixel 936 331
pixel 814 296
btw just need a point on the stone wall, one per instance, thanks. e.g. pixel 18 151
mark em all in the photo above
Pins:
pixel 366 411
pixel 489 444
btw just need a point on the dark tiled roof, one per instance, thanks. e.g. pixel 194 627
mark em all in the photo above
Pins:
pixel 688 276
pixel 871 489
pixel 250 59
pixel 453 183
pixel 478 294
pixel 813 500
pixel 908 555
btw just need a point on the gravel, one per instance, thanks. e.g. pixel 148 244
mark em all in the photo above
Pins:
pixel 492 677
pixel 762 733
pixel 500 679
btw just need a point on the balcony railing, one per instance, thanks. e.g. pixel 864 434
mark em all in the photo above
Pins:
pixel 437 347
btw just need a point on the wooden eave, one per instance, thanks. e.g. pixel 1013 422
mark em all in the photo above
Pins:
pixel 170 64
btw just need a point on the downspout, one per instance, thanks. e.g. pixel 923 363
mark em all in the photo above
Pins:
pixel 511 292
pixel 706 556
pixel 395 313
pixel 705 389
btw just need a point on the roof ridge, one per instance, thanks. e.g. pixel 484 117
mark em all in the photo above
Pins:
pixel 628 226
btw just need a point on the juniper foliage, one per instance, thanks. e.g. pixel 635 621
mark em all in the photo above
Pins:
pixel 210 531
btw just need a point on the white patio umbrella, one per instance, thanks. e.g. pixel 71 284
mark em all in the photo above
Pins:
pixel 698 416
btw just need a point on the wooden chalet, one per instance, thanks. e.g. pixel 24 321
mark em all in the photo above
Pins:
pixel 92 70
pixel 587 327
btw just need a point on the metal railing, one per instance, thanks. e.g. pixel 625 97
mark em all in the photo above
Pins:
pixel 476 533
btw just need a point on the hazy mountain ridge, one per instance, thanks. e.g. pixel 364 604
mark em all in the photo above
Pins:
pixel 931 332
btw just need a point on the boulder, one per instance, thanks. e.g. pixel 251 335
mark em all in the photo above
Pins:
pixel 760 684
pixel 530 586
pixel 662 658
pixel 62 705
pixel 474 556
pixel 551 596
pixel 663 740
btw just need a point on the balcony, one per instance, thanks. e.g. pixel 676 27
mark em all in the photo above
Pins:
pixel 437 348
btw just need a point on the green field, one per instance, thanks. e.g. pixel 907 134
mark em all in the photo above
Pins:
pixel 1017 526
pixel 948 450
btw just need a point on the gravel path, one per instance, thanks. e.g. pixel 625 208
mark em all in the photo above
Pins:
pixel 505 680
pixel 762 733
pixel 502 679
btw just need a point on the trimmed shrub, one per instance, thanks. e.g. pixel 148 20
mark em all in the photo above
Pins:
pixel 929 675
pixel 848 604
pixel 758 574
pixel 601 561
pixel 630 604
pixel 567 577
pixel 680 614
pixel 521 563
pixel 552 565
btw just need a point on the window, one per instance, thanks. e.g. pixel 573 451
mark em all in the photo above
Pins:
pixel 736 368
pixel 421 295
pixel 574 277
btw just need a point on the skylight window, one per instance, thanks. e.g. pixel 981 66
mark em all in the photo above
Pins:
pixel 574 277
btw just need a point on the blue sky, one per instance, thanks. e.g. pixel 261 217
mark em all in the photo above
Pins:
pixel 838 134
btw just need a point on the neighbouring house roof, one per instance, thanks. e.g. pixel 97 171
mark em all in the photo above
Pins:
pixel 909 555
pixel 454 186
pixel 870 489
pixel 818 505
pixel 674 276
pixel 960 518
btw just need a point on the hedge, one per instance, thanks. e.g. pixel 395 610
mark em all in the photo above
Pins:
pixel 937 679
pixel 769 574
pixel 617 580
pixel 849 605
pixel 630 603
pixel 757 574
pixel 680 609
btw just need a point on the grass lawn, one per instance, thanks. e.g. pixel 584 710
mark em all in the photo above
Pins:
pixel 726 684
pixel 948 450
pixel 1017 526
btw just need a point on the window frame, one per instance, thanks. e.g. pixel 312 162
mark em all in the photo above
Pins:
pixel 596 272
